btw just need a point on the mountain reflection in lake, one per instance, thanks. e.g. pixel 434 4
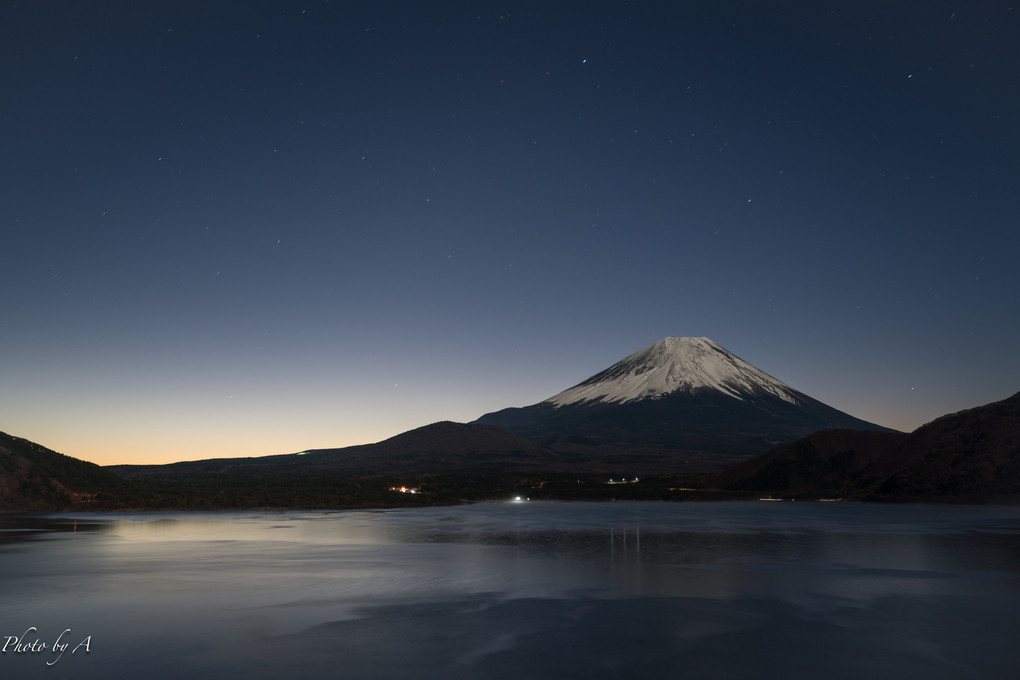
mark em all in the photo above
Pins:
pixel 526 590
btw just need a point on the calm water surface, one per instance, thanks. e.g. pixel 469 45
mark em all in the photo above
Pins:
pixel 525 590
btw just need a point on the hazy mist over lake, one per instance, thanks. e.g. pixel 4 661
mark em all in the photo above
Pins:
pixel 516 590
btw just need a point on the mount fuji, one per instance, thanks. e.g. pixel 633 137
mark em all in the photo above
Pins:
pixel 682 395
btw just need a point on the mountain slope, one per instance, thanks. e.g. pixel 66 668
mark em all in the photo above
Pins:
pixel 973 455
pixel 445 446
pixel 34 478
pixel 439 447
pixel 675 365
pixel 684 394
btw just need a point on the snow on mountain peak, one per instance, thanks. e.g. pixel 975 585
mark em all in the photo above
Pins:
pixel 671 365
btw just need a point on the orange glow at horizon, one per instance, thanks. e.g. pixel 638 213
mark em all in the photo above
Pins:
pixel 122 450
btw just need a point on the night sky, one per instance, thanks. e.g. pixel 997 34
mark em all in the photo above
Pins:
pixel 253 228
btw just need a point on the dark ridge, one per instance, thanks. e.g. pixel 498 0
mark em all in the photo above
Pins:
pixel 970 456
pixel 33 477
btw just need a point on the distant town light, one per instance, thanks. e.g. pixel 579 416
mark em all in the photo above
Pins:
pixel 404 489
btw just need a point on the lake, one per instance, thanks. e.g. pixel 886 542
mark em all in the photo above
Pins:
pixel 516 590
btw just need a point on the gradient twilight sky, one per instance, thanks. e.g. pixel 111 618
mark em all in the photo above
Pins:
pixel 253 228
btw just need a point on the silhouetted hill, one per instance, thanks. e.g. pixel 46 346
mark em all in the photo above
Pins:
pixel 831 463
pixel 443 446
pixel 34 478
pixel 971 456
pixel 440 447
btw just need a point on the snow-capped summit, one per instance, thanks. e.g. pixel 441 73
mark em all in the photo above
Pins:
pixel 672 365
pixel 680 394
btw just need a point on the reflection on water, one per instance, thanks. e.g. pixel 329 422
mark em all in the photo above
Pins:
pixel 536 590
pixel 14 529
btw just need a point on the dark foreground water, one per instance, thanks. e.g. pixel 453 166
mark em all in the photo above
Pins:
pixel 504 590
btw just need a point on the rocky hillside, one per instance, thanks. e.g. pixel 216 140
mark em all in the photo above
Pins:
pixel 970 456
pixel 34 478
